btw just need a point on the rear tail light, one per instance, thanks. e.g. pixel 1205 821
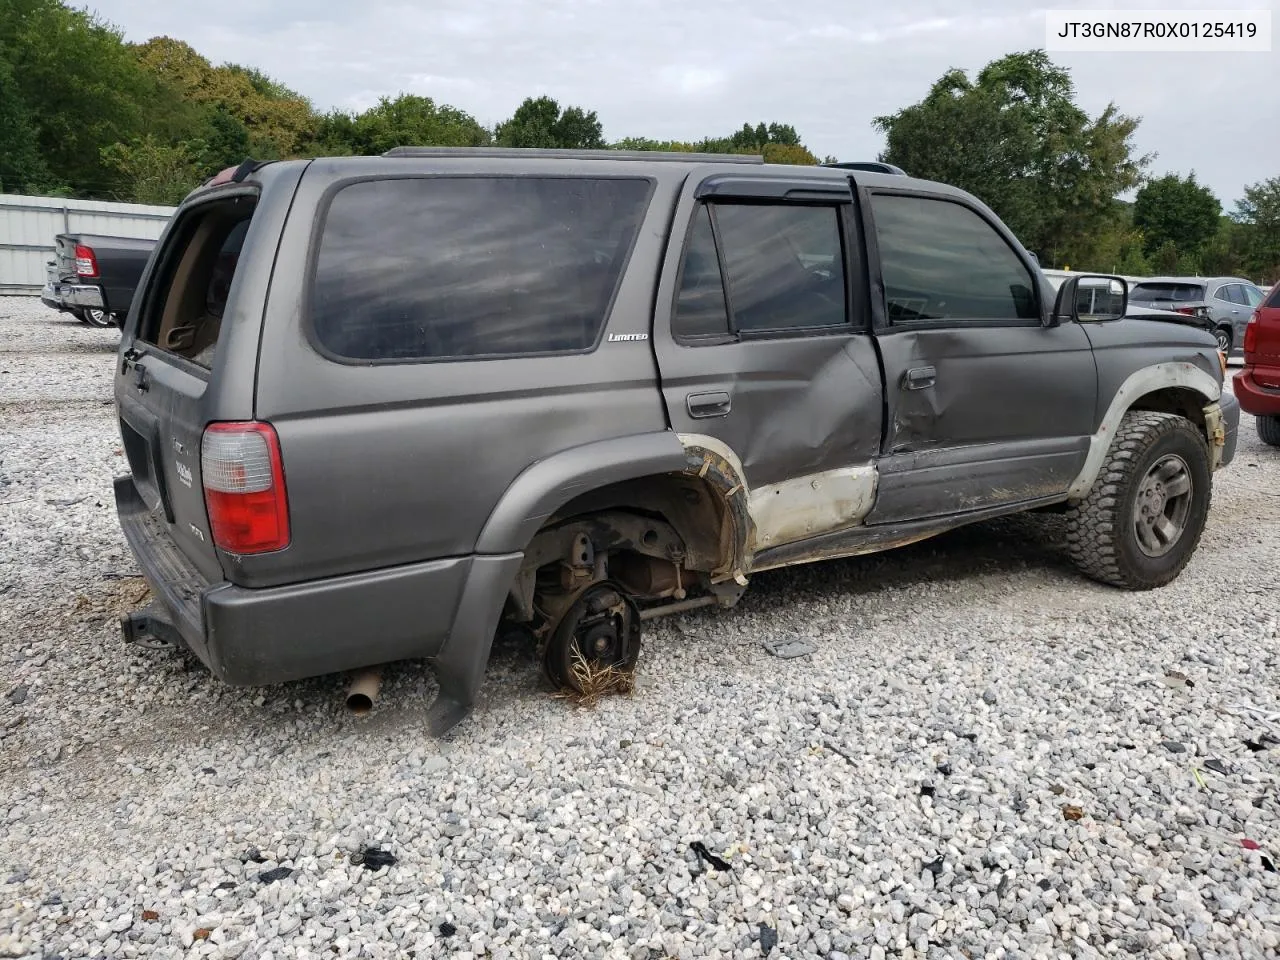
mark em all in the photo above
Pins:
pixel 86 262
pixel 244 487
pixel 1193 311
pixel 1251 333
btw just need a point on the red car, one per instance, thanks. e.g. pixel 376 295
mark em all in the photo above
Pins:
pixel 1257 386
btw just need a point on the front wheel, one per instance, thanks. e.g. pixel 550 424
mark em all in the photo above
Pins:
pixel 1142 519
pixel 1223 336
pixel 1269 431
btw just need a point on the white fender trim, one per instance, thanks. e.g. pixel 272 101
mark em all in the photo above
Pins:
pixel 1160 376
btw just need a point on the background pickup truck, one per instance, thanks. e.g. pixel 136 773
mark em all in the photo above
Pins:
pixel 93 277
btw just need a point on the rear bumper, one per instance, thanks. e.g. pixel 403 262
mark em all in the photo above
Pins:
pixel 1254 397
pixel 443 609
pixel 69 296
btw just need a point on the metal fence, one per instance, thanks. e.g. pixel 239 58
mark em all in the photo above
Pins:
pixel 29 224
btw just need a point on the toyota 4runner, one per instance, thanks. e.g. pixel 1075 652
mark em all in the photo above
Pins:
pixel 377 408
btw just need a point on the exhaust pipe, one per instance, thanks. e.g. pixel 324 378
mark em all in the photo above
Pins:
pixel 363 691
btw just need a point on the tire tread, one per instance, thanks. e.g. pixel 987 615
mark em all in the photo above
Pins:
pixel 1095 523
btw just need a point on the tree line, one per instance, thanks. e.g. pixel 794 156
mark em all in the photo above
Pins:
pixel 85 113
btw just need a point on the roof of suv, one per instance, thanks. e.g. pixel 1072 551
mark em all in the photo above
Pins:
pixel 582 161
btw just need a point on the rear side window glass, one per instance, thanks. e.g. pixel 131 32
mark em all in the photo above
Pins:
pixel 700 306
pixel 184 308
pixel 1273 299
pixel 1232 293
pixel 454 267
pixel 784 265
pixel 1171 292
pixel 942 261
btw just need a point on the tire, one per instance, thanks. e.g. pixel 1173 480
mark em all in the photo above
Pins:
pixel 1269 430
pixel 96 317
pixel 1110 537
pixel 1223 336
pixel 79 315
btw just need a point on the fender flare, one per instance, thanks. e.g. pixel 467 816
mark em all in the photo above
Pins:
pixel 1159 376
pixel 546 485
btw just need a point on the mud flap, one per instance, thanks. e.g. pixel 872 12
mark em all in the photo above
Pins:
pixel 461 662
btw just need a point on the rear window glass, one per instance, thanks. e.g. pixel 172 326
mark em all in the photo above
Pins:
pixel 1273 299
pixel 1174 292
pixel 452 267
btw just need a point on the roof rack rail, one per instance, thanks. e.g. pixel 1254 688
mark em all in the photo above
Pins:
pixel 871 166
pixel 541 153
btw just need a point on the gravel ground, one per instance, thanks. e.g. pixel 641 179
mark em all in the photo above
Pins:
pixel 986 756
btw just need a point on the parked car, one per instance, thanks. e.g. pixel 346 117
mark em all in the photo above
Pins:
pixel 1227 302
pixel 562 393
pixel 1189 319
pixel 93 277
pixel 1257 386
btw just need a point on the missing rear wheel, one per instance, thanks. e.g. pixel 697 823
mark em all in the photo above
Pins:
pixel 597 642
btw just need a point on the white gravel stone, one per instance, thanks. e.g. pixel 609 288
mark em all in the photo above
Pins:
pixel 133 786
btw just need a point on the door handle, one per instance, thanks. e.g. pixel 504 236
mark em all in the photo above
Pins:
pixel 702 405
pixel 918 378
pixel 140 377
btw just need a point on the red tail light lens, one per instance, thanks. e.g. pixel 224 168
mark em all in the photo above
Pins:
pixel 244 487
pixel 1251 334
pixel 86 262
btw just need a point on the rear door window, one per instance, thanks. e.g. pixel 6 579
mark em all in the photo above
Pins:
pixel 471 267
pixel 1232 293
pixel 782 266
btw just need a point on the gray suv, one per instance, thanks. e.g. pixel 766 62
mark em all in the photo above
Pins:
pixel 1226 303
pixel 380 408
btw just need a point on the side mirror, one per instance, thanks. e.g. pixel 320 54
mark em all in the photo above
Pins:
pixel 1091 298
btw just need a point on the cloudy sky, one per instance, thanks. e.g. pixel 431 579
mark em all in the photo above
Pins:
pixel 683 70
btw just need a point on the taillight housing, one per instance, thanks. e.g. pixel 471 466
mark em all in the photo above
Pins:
pixel 244 490
pixel 86 262
pixel 1193 311
pixel 1251 333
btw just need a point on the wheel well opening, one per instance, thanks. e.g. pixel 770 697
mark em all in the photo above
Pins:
pixel 660 536
pixel 1184 403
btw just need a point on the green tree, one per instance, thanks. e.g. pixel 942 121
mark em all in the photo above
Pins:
pixel 1178 209
pixel 82 88
pixel 1165 260
pixel 1227 253
pixel 407 120
pixel 540 122
pixel 1259 212
pixel 154 172
pixel 1016 138
pixel 22 170
pixel 276 120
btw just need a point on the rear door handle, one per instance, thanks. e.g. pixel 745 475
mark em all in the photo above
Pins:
pixel 919 378
pixel 703 405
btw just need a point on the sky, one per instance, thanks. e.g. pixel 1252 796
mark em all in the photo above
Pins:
pixel 685 69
